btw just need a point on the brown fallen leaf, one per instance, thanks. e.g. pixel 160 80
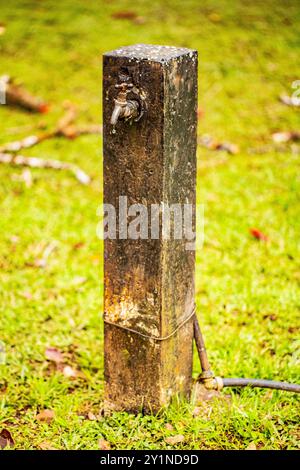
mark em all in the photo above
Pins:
pixel 251 446
pixel 45 416
pixel 293 329
pixel 71 372
pixel 214 17
pixel 124 15
pixel 287 136
pixel 91 416
pixel 139 20
pixel 46 445
pixel 258 234
pixel 78 245
pixel 208 142
pixel 68 371
pixel 78 280
pixel 95 260
pixel 169 427
pixel 196 411
pixel 173 440
pixel 53 354
pixel 72 323
pixel 14 239
pixel 103 444
pixel 6 439
pixel 27 295
pixel 200 113
pixel 270 316
pixel 2 29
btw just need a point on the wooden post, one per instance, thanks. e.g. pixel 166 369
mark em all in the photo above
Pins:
pixel 149 283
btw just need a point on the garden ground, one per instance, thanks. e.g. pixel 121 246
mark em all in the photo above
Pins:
pixel 248 290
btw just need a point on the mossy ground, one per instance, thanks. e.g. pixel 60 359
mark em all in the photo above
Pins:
pixel 248 292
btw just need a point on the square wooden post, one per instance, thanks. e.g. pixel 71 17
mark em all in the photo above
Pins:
pixel 149 283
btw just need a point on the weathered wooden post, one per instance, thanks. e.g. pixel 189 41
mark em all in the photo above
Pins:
pixel 149 124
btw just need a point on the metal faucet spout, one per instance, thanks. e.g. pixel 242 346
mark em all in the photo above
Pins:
pixel 116 114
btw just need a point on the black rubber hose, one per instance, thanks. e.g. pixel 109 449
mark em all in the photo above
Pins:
pixel 261 383
pixel 235 382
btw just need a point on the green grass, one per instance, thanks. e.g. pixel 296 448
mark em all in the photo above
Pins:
pixel 248 292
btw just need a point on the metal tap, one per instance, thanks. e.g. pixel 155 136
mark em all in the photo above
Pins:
pixel 130 102
pixel 124 108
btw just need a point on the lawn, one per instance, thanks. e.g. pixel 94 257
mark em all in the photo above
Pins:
pixel 248 290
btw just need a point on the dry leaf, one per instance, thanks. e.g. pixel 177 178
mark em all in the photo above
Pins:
pixel 14 239
pixel 45 416
pixel 214 17
pixel 196 411
pixel 6 439
pixel 91 416
pixel 78 245
pixel 200 113
pixel 78 280
pixel 46 445
pixel 227 147
pixel 287 136
pixel 103 444
pixel 258 234
pixel 125 15
pixel 208 142
pixel 270 316
pixel 95 260
pixel 251 446
pixel 68 371
pixel 172 440
pixel 139 20
pixel 169 427
pixel 27 295
pixel 53 354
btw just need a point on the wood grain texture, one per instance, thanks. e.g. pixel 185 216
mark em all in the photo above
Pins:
pixel 149 284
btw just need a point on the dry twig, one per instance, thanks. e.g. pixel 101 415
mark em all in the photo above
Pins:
pixel 35 162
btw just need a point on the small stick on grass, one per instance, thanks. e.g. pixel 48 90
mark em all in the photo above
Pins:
pixel 34 162
pixel 64 128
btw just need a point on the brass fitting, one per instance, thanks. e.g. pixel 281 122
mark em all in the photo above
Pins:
pixel 210 382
